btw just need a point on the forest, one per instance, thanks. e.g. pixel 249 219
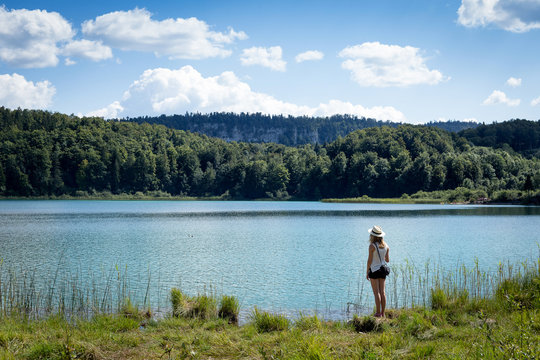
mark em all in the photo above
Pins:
pixel 52 154
pixel 286 130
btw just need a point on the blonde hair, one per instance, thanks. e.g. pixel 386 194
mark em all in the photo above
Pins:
pixel 377 239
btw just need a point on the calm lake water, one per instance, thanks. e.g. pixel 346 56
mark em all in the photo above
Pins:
pixel 281 256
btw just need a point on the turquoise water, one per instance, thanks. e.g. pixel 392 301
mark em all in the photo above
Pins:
pixel 283 256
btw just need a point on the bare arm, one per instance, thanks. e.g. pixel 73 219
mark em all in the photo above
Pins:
pixel 369 260
pixel 387 256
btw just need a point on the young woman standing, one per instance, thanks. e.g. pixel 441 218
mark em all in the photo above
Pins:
pixel 378 255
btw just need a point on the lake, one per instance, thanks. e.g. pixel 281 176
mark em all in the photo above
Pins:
pixel 280 256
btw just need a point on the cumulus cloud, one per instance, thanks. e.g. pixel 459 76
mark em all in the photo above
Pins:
pixel 16 91
pixel 498 97
pixel 29 38
pixel 535 102
pixel 380 65
pixel 108 112
pixel 267 57
pixel 93 50
pixel 177 38
pixel 513 82
pixel 511 15
pixel 309 55
pixel 166 91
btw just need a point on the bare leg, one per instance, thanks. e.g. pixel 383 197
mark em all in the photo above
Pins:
pixel 382 294
pixel 375 287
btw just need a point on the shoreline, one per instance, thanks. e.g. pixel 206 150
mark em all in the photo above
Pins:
pixel 360 200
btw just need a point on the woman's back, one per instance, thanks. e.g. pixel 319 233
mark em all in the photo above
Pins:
pixel 377 260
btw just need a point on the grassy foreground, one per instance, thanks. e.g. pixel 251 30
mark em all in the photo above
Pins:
pixel 453 326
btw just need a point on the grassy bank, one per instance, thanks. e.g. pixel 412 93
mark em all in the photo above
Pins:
pixel 456 322
pixel 83 195
pixel 368 200
pixel 453 327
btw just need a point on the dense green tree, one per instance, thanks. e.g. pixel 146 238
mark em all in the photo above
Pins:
pixel 2 179
pixel 16 180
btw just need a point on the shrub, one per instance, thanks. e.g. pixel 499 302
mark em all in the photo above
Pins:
pixel 229 308
pixel 266 322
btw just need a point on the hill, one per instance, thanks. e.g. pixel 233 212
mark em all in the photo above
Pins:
pixel 522 136
pixel 286 130
pixel 52 154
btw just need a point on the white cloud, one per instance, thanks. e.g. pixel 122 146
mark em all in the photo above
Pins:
pixel 267 57
pixel 309 55
pixel 498 97
pixel 470 120
pixel 535 102
pixel 165 91
pixel 108 112
pixel 29 38
pixel 69 62
pixel 511 15
pixel 93 50
pixel 16 91
pixel 513 82
pixel 376 64
pixel 177 38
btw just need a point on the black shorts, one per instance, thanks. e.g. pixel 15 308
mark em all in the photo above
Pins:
pixel 379 274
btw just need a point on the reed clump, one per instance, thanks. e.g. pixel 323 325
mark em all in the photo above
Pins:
pixel 204 306
pixel 200 306
pixel 229 309
pixel 268 322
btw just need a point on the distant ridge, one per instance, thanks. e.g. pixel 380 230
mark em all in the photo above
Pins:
pixel 286 130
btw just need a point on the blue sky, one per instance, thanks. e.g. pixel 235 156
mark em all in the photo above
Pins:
pixel 413 61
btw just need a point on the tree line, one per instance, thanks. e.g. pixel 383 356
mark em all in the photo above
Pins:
pixel 51 154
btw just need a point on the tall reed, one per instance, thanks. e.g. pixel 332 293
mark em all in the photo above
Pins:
pixel 24 292
pixel 81 294
pixel 408 285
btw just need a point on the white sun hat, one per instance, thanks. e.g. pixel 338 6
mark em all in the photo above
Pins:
pixel 376 231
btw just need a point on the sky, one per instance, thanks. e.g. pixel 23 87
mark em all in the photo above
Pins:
pixel 409 61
